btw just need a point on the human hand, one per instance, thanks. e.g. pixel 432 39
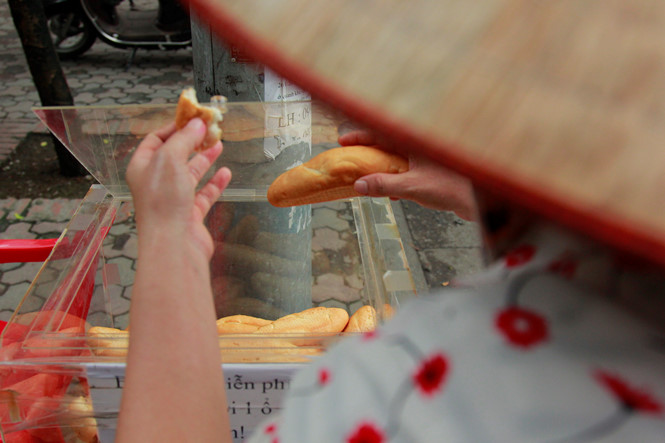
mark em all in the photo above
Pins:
pixel 163 179
pixel 426 182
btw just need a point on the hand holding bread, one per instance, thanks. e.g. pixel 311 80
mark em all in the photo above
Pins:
pixel 189 108
pixel 331 175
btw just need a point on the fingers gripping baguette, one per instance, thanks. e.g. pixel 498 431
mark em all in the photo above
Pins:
pixel 331 175
pixel 189 108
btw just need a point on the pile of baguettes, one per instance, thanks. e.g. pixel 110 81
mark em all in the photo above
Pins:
pixel 291 338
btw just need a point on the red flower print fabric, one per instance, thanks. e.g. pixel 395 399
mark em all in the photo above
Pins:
pixel 520 256
pixel 522 328
pixel 367 433
pixel 324 376
pixel 516 357
pixel 431 375
pixel 630 397
pixel 564 267
pixel 271 432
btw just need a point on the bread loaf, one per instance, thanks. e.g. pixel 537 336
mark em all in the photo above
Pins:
pixel 108 342
pixel 240 324
pixel 331 175
pixel 189 108
pixel 82 417
pixel 319 320
pixel 363 320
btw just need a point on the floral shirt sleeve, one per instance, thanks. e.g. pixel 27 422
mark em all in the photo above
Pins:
pixel 528 351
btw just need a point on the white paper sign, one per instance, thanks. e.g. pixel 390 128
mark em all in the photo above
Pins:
pixel 254 392
pixel 286 124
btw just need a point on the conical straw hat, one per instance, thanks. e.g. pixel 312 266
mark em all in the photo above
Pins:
pixel 558 105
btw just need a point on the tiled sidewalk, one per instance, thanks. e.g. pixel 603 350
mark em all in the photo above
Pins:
pixel 27 219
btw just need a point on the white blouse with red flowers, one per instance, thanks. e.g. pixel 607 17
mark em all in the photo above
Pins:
pixel 530 350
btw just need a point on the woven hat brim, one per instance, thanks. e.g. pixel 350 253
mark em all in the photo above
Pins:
pixel 558 106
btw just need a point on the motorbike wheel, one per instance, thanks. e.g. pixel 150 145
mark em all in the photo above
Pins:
pixel 72 34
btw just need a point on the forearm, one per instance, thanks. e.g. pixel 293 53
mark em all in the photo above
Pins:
pixel 174 388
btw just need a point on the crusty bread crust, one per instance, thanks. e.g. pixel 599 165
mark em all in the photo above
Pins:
pixel 189 108
pixel 240 324
pixel 314 320
pixel 85 424
pixel 331 175
pixel 363 320
pixel 108 342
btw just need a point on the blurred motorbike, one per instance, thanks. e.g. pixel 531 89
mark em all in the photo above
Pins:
pixel 75 25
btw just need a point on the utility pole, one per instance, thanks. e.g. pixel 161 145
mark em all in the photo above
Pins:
pixel 30 22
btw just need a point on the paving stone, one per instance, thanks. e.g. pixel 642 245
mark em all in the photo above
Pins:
pixel 49 228
pixel 56 210
pixel 160 101
pixel 19 230
pixel 354 281
pixel 138 88
pixel 24 273
pixel 6 314
pixel 120 228
pixel 127 293
pixel 48 275
pixel 131 248
pixel 332 286
pixel 112 93
pixel 325 238
pixel 125 214
pixel 125 269
pixel 334 304
pixel 121 321
pixel 45 289
pixel 129 99
pixel 442 265
pixel 432 229
pixel 11 207
pixel 99 319
pixel 119 305
pixel 327 217
pixel 85 98
pixel 353 307
pixel 4 267
pixel 105 102
pixel 13 296
pixel 125 245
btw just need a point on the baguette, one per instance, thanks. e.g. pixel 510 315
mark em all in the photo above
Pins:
pixel 240 324
pixel 108 342
pixel 331 175
pixel 319 320
pixel 82 415
pixel 189 108
pixel 363 320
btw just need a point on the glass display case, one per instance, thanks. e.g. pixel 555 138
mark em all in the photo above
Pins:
pixel 63 351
